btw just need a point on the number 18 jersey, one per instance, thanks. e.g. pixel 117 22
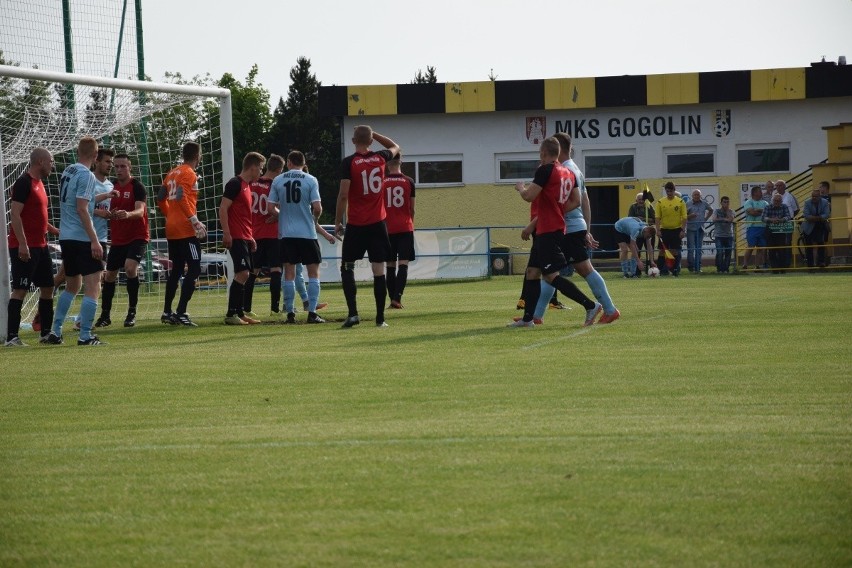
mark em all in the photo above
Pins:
pixel 366 173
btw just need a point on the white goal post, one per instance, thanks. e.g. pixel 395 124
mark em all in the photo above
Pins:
pixel 59 128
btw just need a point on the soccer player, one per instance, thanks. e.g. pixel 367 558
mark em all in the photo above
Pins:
pixel 236 220
pixel 550 194
pixel 103 195
pixel 295 198
pixel 628 230
pixel 31 263
pixel 265 233
pixel 360 195
pixel 82 253
pixel 177 199
pixel 576 243
pixel 129 228
pixel 399 205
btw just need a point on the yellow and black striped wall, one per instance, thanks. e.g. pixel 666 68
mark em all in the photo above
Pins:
pixel 817 81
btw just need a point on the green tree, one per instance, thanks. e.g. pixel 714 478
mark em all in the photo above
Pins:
pixel 430 77
pixel 250 110
pixel 298 126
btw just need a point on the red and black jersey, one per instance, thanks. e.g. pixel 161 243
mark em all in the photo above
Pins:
pixel 556 182
pixel 239 213
pixel 260 210
pixel 399 193
pixel 125 231
pixel 30 192
pixel 366 172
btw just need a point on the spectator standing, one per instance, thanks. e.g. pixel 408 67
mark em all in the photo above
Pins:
pixel 755 228
pixel 793 206
pixel 723 232
pixel 697 213
pixel 814 229
pixel 775 216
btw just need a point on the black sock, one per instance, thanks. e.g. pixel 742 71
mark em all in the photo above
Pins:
pixel 132 294
pixel 275 290
pixel 571 291
pixel 350 291
pixel 380 292
pixel 235 299
pixel 45 312
pixel 248 291
pixel 390 277
pixel 13 325
pixel 401 280
pixel 107 293
pixel 531 294
pixel 187 289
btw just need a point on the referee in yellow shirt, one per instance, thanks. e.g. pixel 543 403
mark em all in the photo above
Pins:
pixel 671 226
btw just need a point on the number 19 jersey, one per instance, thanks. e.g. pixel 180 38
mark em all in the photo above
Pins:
pixel 366 173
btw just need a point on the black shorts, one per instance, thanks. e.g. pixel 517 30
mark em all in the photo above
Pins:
pixel 671 238
pixel 546 253
pixel 77 257
pixel 574 247
pixel 372 239
pixel 185 251
pixel 268 254
pixel 622 238
pixel 240 252
pixel 401 246
pixel 300 251
pixel 37 271
pixel 118 254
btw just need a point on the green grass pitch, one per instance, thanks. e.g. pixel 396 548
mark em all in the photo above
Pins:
pixel 710 426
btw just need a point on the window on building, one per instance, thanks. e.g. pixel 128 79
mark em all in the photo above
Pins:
pixel 516 167
pixel 608 165
pixel 433 171
pixel 751 160
pixel 690 162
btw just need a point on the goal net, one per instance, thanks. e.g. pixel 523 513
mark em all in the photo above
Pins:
pixel 148 121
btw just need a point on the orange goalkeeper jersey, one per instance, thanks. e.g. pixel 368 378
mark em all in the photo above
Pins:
pixel 182 197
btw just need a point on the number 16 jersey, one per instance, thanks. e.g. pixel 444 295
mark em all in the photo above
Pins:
pixel 294 191
pixel 366 174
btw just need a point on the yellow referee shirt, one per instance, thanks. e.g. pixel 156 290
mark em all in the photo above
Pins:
pixel 671 213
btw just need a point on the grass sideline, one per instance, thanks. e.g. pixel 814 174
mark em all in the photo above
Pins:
pixel 711 425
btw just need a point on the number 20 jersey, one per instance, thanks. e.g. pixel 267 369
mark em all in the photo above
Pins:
pixel 366 173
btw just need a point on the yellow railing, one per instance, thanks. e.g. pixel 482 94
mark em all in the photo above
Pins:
pixel 793 253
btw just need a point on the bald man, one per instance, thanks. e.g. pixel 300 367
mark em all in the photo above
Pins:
pixel 31 264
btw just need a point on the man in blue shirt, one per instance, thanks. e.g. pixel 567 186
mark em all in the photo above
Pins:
pixel 627 231
pixel 295 199
pixel 82 253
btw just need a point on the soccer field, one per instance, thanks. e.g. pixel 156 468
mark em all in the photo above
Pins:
pixel 710 426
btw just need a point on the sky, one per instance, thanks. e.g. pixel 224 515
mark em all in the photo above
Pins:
pixel 365 43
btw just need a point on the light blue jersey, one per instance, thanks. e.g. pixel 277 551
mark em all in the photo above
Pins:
pixel 293 192
pixel 574 220
pixel 101 224
pixel 630 226
pixel 78 182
